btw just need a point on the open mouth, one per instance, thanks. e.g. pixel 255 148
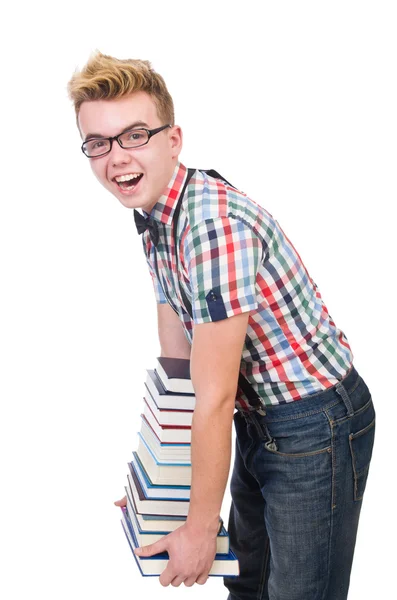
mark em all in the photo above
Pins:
pixel 128 185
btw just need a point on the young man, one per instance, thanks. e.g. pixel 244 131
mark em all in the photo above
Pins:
pixel 305 420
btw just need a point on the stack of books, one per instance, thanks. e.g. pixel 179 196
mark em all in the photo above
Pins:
pixel 159 475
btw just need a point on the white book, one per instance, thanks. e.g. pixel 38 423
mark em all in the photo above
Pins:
pixel 161 472
pixel 168 417
pixel 148 522
pixel 166 433
pixel 166 399
pixel 167 452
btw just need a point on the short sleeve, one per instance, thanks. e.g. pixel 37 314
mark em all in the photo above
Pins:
pixel 223 256
pixel 158 291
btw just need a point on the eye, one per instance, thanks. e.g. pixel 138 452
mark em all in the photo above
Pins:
pixel 136 135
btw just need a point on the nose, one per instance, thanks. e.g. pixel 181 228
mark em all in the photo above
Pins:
pixel 118 154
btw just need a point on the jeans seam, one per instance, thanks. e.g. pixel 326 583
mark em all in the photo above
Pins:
pixel 333 505
pixel 302 415
pixel 331 424
pixel 264 570
pixel 357 412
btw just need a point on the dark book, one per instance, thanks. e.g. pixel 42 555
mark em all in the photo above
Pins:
pixel 175 374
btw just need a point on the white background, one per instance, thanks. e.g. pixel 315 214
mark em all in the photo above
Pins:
pixel 294 103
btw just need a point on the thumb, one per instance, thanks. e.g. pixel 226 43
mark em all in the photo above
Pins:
pixel 122 502
pixel 151 549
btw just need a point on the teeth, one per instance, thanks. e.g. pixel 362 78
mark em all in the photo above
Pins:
pixel 127 177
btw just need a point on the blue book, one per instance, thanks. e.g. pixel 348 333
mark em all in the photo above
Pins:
pixel 150 490
pixel 154 506
pixel 145 538
pixel 224 565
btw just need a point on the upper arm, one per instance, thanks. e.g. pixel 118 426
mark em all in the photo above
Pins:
pixel 216 357
pixel 173 340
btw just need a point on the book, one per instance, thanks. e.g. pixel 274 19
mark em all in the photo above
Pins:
pixel 151 490
pixel 163 472
pixel 168 416
pixel 162 450
pixel 149 522
pixel 175 374
pixel 160 506
pixel 166 399
pixel 167 433
pixel 144 538
pixel 224 565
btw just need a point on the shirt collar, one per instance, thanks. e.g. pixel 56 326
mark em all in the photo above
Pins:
pixel 164 208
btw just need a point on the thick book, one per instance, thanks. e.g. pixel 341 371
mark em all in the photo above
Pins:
pixel 175 374
pixel 151 506
pixel 166 399
pixel 163 472
pixel 167 433
pixel 164 451
pixel 224 565
pixel 144 538
pixel 149 522
pixel 167 492
pixel 168 416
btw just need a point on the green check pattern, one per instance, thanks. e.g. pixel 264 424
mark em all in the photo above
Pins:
pixel 233 258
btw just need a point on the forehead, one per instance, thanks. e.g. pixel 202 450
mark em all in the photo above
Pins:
pixel 109 117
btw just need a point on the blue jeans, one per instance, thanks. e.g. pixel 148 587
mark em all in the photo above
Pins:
pixel 297 486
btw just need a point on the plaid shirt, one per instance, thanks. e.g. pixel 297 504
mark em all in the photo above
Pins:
pixel 231 246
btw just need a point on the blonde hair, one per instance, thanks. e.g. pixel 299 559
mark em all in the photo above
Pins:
pixel 105 78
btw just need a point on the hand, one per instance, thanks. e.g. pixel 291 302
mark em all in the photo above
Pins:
pixel 122 502
pixel 191 554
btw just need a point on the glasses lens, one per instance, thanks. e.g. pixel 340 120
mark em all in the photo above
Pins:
pixel 134 137
pixel 96 147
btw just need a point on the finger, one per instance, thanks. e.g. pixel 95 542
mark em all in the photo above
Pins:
pixel 176 582
pixel 201 579
pixel 167 576
pixel 122 502
pixel 151 549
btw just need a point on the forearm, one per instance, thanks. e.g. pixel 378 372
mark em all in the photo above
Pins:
pixel 211 454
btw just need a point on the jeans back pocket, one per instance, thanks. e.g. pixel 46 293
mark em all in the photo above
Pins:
pixel 361 444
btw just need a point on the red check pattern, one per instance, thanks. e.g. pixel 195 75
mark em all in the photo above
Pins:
pixel 234 257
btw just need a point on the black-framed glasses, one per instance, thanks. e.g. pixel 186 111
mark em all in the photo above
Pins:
pixel 133 138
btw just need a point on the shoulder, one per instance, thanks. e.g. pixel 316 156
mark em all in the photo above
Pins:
pixel 210 202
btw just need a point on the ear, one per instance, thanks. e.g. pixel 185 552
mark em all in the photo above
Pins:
pixel 176 140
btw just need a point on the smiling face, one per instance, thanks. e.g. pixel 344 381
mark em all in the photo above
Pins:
pixel 154 163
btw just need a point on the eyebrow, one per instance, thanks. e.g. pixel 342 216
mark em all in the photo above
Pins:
pixel 100 135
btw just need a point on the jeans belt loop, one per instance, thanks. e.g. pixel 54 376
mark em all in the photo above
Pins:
pixel 341 390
